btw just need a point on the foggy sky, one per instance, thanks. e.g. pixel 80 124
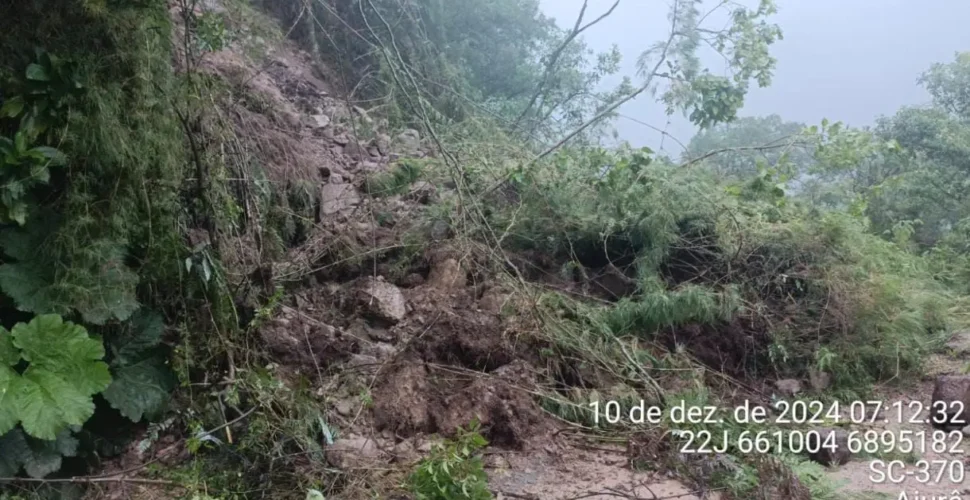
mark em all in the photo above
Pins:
pixel 847 60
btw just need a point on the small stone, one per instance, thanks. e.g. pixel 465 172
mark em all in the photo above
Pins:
pixel 788 387
pixel 408 143
pixel 320 121
pixel 336 198
pixel 353 453
pixel 819 380
pixel 383 143
pixel 440 230
pixel 342 139
pixel 344 408
pixel 423 192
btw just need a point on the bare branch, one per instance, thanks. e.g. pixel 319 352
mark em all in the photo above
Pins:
pixel 606 112
pixel 578 29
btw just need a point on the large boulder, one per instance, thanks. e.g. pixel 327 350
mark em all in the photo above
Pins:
pixel 951 402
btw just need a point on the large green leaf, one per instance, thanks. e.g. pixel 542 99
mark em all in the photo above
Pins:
pixel 65 370
pixel 27 285
pixel 14 452
pixel 48 404
pixel 9 387
pixel 77 358
pixel 9 355
pixel 97 283
pixel 143 332
pixel 140 389
pixel 46 456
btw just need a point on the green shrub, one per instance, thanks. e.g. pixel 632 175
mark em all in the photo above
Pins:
pixel 453 471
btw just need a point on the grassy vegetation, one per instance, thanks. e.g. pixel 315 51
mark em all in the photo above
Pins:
pixel 122 213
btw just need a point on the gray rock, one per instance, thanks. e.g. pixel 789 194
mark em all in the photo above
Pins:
pixel 788 387
pixel 407 143
pixel 819 380
pixel 440 230
pixel 951 396
pixel 827 454
pixel 335 198
pixel 342 139
pixel 344 407
pixel 320 121
pixel 353 453
pixel 381 299
pixel 423 192
pixel 383 143
pixel 354 150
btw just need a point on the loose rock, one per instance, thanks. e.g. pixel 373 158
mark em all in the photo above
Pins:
pixel 788 387
pixel 336 198
pixel 819 380
pixel 408 143
pixel 381 300
pixel 353 453
pixel 320 121
pixel 383 143
pixel 423 192
pixel 342 139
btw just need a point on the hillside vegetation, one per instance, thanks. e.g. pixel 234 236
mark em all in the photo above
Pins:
pixel 287 249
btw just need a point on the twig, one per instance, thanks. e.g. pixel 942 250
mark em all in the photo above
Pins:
pixel 554 58
pixel 88 480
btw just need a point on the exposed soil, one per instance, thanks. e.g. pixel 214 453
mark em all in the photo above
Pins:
pixel 857 474
pixel 573 473
pixel 398 357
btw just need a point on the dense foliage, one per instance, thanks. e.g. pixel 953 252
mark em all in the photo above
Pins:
pixel 769 250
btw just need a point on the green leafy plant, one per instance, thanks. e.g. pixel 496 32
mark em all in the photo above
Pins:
pixel 142 379
pixel 55 388
pixel 454 471
pixel 211 31
pixel 38 103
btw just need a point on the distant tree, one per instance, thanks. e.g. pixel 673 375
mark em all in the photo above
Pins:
pixel 736 148
pixel 949 84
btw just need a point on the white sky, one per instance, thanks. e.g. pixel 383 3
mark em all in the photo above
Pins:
pixel 848 60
